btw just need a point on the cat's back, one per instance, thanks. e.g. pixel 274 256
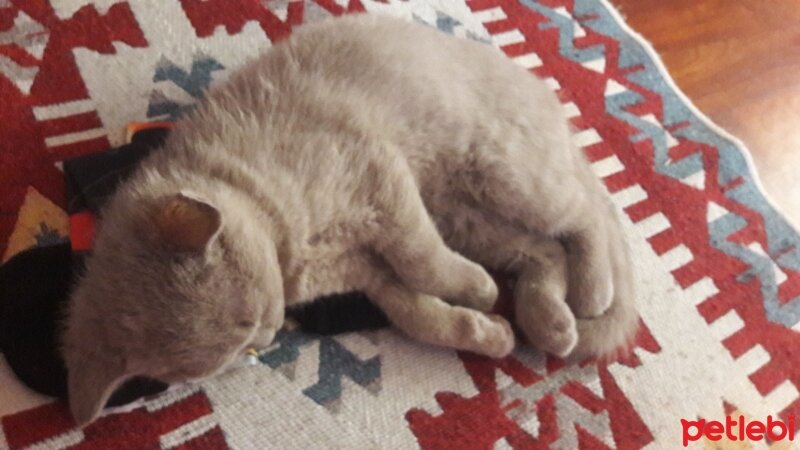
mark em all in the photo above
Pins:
pixel 405 68
pixel 429 91
pixel 371 75
pixel 309 112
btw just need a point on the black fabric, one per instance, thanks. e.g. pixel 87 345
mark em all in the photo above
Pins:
pixel 336 314
pixel 35 285
pixel 34 288
pixel 33 291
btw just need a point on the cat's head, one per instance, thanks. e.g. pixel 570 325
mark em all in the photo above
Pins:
pixel 174 291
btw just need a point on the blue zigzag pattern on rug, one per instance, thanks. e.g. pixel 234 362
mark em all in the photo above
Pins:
pixel 783 241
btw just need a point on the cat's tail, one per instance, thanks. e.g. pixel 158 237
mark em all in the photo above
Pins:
pixel 612 334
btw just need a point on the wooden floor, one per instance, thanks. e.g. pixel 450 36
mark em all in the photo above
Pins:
pixel 739 61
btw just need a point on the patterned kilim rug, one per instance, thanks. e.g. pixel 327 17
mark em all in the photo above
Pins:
pixel 718 268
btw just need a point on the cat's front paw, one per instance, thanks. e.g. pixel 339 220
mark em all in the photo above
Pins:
pixel 483 294
pixel 489 335
pixel 542 314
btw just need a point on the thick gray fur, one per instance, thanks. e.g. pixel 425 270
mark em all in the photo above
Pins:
pixel 363 153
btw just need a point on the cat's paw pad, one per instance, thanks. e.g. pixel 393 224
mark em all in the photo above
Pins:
pixel 489 335
pixel 483 295
pixel 559 340
pixel 555 332
pixel 544 318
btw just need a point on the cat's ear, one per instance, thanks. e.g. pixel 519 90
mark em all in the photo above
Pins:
pixel 186 223
pixel 91 379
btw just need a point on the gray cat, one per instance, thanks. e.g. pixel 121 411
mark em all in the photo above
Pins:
pixel 363 153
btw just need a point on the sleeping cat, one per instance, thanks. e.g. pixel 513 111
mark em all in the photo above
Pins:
pixel 363 153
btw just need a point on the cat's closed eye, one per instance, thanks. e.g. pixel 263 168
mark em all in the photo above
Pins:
pixel 246 324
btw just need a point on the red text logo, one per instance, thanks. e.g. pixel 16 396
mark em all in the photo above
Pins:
pixel 738 429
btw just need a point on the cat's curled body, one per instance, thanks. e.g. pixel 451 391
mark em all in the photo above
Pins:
pixel 363 153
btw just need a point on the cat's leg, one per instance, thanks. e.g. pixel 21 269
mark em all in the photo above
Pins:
pixel 561 199
pixel 540 293
pixel 431 320
pixel 539 266
pixel 425 264
pixel 540 290
pixel 591 287
pixel 415 250
pixel 537 263
pixel 616 328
